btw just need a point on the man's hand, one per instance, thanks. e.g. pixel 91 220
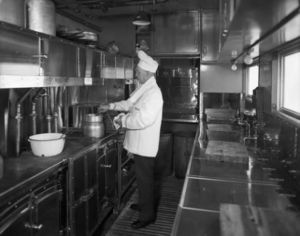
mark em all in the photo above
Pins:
pixel 118 121
pixel 103 108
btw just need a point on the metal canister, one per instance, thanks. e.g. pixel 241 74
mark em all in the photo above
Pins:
pixel 93 125
pixel 13 12
pixel 41 16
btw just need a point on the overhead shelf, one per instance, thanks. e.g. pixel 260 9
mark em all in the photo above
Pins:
pixel 31 59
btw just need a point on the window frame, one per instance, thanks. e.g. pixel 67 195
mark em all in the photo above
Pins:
pixel 281 58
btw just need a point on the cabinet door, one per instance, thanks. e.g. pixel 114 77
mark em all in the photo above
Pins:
pixel 77 178
pixel 79 223
pixel 85 215
pixel 91 160
pixel 101 179
pixel 92 205
pixel 176 33
pixel 111 162
pixel 47 221
pixel 18 223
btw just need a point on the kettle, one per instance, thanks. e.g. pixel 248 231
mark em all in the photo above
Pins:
pixel 93 125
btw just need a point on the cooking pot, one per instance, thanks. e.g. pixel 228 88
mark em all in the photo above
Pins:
pixel 93 125
pixel 12 12
pixel 47 144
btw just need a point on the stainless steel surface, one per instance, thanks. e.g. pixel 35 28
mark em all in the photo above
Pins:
pixel 93 117
pixel 219 78
pixel 254 18
pixel 35 60
pixel 19 81
pixel 41 16
pixel 243 172
pixel 93 125
pixel 196 222
pixel 13 12
pixel 177 33
pixel 17 50
pixel 90 63
pixel 61 58
pixel 210 35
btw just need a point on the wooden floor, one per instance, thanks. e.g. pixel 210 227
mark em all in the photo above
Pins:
pixel 171 191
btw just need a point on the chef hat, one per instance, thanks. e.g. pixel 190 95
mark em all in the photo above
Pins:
pixel 146 62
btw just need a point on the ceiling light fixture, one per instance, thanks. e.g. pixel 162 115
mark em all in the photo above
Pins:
pixel 234 67
pixel 141 19
pixel 248 60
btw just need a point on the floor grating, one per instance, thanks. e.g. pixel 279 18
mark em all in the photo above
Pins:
pixel 170 195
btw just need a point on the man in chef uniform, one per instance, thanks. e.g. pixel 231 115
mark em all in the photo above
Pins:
pixel 142 123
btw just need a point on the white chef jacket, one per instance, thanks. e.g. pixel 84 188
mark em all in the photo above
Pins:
pixel 143 120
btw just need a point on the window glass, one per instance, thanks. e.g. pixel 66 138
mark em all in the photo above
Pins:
pixel 252 79
pixel 291 82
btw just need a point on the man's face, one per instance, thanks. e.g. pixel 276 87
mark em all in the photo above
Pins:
pixel 141 75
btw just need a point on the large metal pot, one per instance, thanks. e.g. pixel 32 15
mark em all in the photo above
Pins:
pixel 93 125
pixel 41 16
pixel 13 12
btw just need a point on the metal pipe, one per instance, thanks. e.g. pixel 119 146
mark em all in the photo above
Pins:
pixel 33 110
pixel 19 118
pixel 49 118
pixel 55 122
pixel 33 118
pixel 276 27
pixel 21 100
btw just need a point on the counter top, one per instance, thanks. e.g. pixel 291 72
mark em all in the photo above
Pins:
pixel 211 182
pixel 239 220
pixel 28 168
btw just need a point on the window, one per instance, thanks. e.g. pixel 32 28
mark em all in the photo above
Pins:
pixel 290 97
pixel 252 79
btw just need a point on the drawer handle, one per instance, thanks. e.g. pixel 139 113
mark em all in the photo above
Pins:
pixel 33 226
pixel 40 56
pixel 88 196
pixel 105 166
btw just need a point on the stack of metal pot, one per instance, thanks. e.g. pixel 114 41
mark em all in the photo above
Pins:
pixel 93 125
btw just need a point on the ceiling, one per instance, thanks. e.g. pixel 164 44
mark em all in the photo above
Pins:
pixel 258 23
pixel 247 22
pixel 91 12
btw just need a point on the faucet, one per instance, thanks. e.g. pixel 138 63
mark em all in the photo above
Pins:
pixel 33 108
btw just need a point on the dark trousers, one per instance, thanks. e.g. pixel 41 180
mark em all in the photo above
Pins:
pixel 148 184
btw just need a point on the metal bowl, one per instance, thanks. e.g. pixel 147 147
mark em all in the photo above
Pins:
pixel 47 144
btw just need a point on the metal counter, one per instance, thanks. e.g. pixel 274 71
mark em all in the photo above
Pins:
pixel 17 172
pixel 210 183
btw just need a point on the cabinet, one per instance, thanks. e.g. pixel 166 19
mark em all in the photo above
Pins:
pixel 92 181
pixel 178 79
pixel 34 211
pixel 83 193
pixel 174 33
pixel 127 173
pixel 177 33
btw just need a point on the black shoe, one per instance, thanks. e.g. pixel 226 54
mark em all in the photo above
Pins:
pixel 135 207
pixel 141 224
